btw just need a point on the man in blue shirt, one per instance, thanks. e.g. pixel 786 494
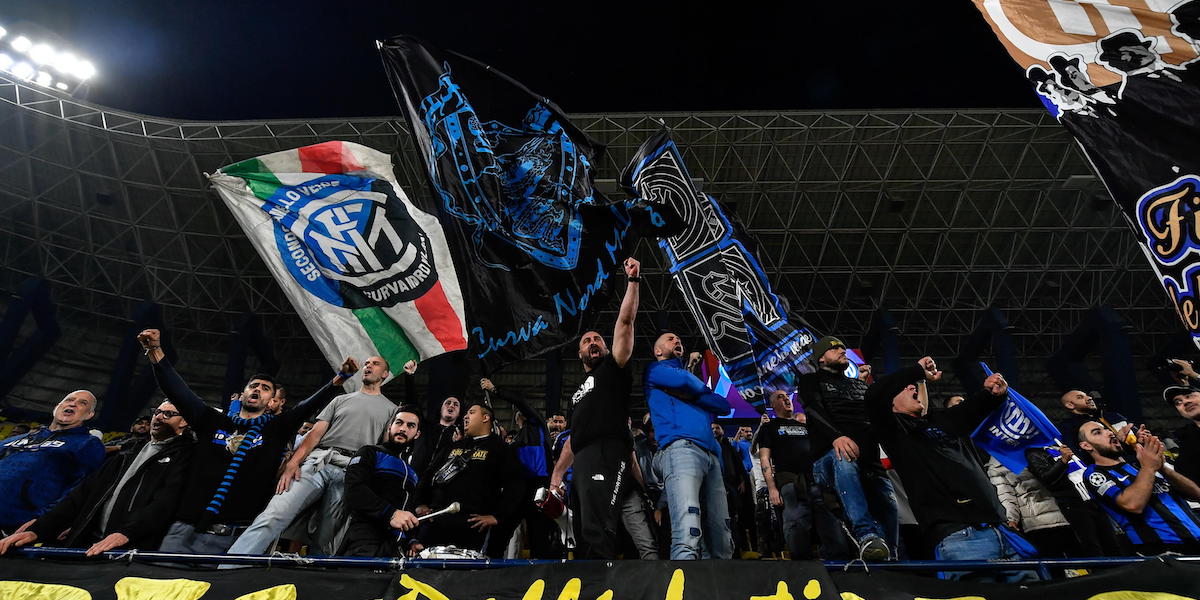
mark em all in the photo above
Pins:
pixel 39 468
pixel 1148 501
pixel 682 409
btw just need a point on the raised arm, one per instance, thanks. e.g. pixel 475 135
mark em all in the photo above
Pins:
pixel 172 385
pixel 622 347
pixel 1150 459
pixel 565 460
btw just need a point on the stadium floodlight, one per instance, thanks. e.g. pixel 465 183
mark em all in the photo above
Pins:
pixel 6 61
pixel 24 70
pixel 43 78
pixel 65 62
pixel 84 69
pixel 42 53
pixel 61 85
pixel 3 32
pixel 21 44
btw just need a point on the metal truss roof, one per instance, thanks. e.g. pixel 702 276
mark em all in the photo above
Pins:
pixel 934 215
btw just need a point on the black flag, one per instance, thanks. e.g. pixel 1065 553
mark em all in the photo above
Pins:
pixel 1127 86
pixel 534 242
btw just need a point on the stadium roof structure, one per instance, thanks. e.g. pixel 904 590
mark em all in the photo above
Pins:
pixel 933 215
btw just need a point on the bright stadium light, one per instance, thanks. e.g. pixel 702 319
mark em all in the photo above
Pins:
pixel 85 69
pixel 3 32
pixel 6 61
pixel 65 62
pixel 43 78
pixel 42 53
pixel 21 44
pixel 61 85
pixel 23 70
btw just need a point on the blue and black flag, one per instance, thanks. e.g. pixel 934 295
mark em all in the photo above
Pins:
pixel 512 177
pixel 724 285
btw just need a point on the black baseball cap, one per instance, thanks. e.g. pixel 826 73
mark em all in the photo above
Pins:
pixel 1171 392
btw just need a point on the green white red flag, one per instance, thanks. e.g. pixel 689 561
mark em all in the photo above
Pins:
pixel 367 272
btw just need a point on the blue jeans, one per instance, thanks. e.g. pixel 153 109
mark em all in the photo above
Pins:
pixel 692 480
pixel 970 543
pixel 319 481
pixel 868 498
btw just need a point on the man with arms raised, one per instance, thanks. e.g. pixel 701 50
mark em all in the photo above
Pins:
pixel 317 469
pixel 600 444
pixel 237 454
pixel 39 467
pixel 1148 501
pixel 129 502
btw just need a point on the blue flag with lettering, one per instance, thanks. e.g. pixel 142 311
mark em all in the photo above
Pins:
pixel 1014 427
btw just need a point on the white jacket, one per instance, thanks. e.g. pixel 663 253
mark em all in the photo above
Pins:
pixel 1026 501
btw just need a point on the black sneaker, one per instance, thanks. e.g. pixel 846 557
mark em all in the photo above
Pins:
pixel 873 549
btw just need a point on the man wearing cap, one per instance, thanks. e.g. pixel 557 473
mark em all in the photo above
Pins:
pixel 1185 400
pixel 1126 52
pixel 1148 501
pixel 847 450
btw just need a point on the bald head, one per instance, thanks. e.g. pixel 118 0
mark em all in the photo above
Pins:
pixel 1078 402
pixel 73 410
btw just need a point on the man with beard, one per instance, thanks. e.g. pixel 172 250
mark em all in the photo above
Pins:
pixel 38 468
pixel 600 443
pixel 1082 408
pixel 139 432
pixel 479 472
pixel 316 470
pixel 381 487
pixel 847 451
pixel 237 454
pixel 1148 501
pixel 129 502
pixel 683 410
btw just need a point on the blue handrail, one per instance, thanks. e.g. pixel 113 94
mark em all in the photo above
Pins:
pixel 391 564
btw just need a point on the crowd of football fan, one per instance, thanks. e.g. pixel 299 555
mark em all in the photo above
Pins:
pixel 865 470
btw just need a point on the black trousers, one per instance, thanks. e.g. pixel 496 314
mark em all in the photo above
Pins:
pixel 600 471
pixel 1092 527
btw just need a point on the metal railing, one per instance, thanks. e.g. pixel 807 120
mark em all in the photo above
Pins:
pixel 1043 567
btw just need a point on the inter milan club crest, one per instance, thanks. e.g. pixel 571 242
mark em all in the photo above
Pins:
pixel 357 233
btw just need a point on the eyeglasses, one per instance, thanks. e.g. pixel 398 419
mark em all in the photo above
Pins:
pixel 166 414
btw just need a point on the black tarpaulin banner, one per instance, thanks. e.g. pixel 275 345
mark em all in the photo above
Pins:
pixel 1152 579
pixel 534 243
pixel 1125 81
pixel 724 285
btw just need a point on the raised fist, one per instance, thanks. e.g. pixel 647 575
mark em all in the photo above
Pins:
pixel 632 267
pixel 150 338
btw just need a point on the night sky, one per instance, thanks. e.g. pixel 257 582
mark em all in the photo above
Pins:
pixel 258 60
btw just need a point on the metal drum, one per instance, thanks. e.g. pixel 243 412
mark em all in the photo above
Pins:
pixel 451 553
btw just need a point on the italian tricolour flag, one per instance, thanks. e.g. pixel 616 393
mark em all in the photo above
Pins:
pixel 367 272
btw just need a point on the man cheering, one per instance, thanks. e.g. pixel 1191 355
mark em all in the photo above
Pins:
pixel 237 454
pixel 682 409
pixel 600 443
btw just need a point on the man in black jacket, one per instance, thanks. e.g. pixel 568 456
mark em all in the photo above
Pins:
pixel 950 494
pixel 237 457
pixel 381 490
pixel 483 475
pixel 129 502
pixel 847 451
